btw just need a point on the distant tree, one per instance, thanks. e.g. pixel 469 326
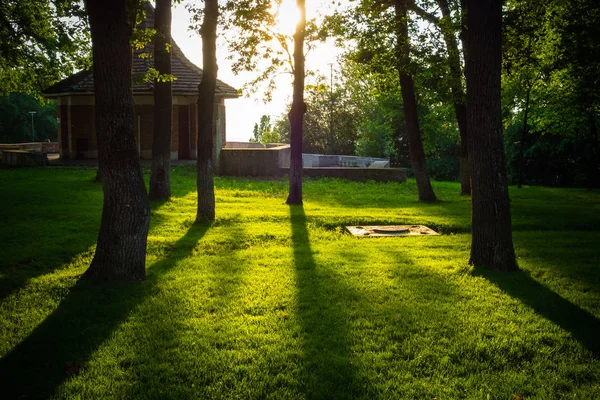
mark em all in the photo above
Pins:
pixel 491 243
pixel 298 110
pixel 206 105
pixel 523 28
pixel 449 26
pixel 576 28
pixel 413 132
pixel 281 130
pixel 332 120
pixel 15 120
pixel 256 45
pixel 160 186
pixel 262 131
pixel 551 66
pixel 121 249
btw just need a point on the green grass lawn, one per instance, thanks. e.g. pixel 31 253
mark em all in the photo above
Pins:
pixel 278 302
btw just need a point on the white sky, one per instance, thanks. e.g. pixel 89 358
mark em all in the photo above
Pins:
pixel 243 113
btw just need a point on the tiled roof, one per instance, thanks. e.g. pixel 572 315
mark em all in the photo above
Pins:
pixel 187 73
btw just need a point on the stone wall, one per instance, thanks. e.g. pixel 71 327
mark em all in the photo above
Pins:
pixel 254 162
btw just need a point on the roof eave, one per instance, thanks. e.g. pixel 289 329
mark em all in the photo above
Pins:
pixel 149 93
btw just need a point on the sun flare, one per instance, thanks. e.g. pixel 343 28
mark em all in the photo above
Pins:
pixel 287 16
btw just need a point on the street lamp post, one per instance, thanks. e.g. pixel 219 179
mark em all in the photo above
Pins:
pixel 32 128
pixel 332 139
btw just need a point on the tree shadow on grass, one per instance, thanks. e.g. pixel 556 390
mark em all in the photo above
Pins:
pixel 328 371
pixel 180 330
pixel 584 326
pixel 54 233
pixel 63 344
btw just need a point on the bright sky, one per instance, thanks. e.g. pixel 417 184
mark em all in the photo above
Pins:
pixel 243 113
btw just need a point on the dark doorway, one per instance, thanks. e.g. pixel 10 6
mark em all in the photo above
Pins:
pixel 64 132
pixel 184 133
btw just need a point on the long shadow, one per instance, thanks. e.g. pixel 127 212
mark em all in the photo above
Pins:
pixel 84 319
pixel 584 326
pixel 547 251
pixel 221 282
pixel 42 240
pixel 328 372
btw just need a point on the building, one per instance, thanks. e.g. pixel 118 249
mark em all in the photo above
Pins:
pixel 76 115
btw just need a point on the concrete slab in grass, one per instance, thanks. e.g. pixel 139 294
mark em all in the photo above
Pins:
pixel 390 230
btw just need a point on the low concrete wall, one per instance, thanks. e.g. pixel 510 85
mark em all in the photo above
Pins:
pixel 253 162
pixel 23 158
pixel 40 147
pixel 243 145
pixel 50 147
pixel 355 174
pixel 325 160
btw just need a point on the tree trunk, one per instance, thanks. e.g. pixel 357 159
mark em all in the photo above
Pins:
pixel 465 173
pixel 160 186
pixel 594 163
pixel 411 118
pixel 491 244
pixel 121 249
pixel 523 136
pixel 98 177
pixel 458 94
pixel 297 111
pixel 206 101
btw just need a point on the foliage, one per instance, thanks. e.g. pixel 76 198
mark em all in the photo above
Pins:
pixel 15 119
pixel 41 42
pixel 551 50
pixel 331 120
pixel 285 305
pixel 550 160
pixel 265 133
pixel 281 129
pixel 254 42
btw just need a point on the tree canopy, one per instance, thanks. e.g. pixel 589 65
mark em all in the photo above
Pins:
pixel 41 42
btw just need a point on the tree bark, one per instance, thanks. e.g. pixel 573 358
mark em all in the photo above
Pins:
pixel 522 143
pixel 297 111
pixel 491 244
pixel 98 177
pixel 411 118
pixel 206 101
pixel 121 249
pixel 160 185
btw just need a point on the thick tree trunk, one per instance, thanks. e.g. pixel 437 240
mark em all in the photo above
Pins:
pixel 465 173
pixel 160 185
pixel 121 249
pixel 492 244
pixel 206 101
pixel 458 94
pixel 297 112
pixel 413 133
pixel 522 143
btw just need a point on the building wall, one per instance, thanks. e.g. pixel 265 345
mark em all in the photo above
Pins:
pixel 77 138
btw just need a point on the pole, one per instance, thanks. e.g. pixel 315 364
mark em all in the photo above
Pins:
pixel 32 127
pixel 332 139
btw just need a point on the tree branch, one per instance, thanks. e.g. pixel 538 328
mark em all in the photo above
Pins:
pixel 429 17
